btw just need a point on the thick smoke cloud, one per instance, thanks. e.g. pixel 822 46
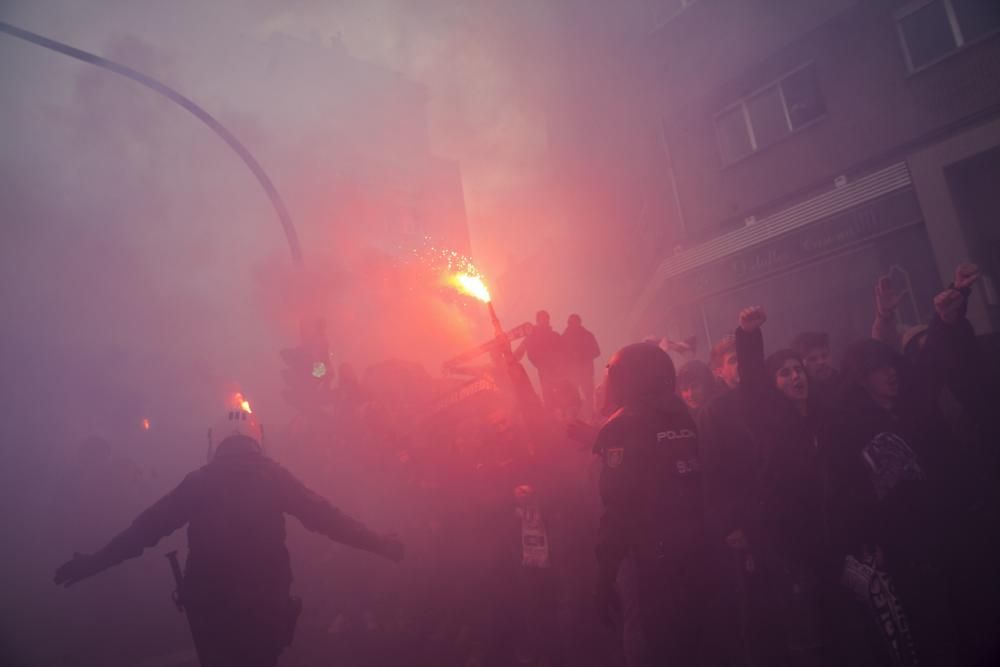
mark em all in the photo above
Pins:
pixel 143 274
pixel 135 234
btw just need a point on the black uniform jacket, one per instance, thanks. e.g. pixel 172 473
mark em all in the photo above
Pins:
pixel 235 508
pixel 650 486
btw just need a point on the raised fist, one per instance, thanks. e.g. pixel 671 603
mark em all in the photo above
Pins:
pixel 948 304
pixel 966 275
pixel 752 318
pixel 887 298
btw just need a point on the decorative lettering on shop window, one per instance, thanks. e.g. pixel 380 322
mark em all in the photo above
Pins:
pixel 806 243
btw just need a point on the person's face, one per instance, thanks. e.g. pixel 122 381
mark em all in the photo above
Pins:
pixel 694 395
pixel 729 371
pixel 791 380
pixel 882 384
pixel 542 319
pixel 819 363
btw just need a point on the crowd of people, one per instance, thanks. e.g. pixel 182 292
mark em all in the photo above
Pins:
pixel 757 509
pixel 781 511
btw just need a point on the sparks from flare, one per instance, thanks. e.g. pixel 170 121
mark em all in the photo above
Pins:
pixel 458 271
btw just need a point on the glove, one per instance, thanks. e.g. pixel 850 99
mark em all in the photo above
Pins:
pixel 393 548
pixel 609 605
pixel 79 568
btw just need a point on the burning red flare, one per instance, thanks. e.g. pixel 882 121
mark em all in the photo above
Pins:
pixel 472 285
pixel 457 271
pixel 145 424
pixel 242 403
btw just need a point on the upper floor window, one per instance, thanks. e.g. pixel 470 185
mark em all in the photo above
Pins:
pixel 769 114
pixel 933 29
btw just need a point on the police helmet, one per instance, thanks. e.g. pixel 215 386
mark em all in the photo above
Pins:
pixel 638 373
pixel 234 423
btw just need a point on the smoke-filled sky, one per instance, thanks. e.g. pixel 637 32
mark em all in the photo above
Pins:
pixel 144 271
pixel 144 274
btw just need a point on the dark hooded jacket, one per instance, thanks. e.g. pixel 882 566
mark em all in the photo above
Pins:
pixel 787 496
pixel 894 476
pixel 235 509
pixel 731 463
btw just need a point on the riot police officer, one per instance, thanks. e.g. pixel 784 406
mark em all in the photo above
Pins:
pixel 652 494
pixel 237 579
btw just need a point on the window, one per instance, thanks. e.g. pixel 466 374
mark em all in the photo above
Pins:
pixel 930 31
pixel 734 140
pixel 976 18
pixel 802 97
pixel 769 114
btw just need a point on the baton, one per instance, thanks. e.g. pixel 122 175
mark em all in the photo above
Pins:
pixel 178 597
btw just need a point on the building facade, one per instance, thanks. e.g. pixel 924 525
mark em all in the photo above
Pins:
pixel 814 146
